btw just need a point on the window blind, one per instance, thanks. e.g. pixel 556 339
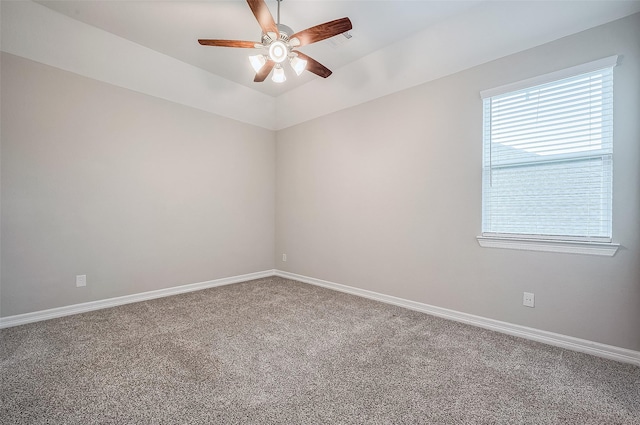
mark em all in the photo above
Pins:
pixel 547 159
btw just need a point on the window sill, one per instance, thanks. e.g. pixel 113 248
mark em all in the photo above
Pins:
pixel 589 248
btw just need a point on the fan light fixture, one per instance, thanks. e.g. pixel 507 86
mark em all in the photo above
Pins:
pixel 257 62
pixel 278 51
pixel 298 64
pixel 278 75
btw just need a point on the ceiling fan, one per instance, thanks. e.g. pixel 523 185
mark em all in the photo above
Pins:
pixel 279 41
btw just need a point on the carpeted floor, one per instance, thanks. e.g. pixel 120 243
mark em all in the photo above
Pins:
pixel 279 351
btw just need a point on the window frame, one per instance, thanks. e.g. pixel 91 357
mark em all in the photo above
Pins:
pixel 534 242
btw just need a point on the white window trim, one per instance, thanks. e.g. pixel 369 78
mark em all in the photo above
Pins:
pixel 609 62
pixel 537 243
pixel 567 247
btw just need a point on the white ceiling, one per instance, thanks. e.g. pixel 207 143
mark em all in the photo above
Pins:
pixel 150 46
pixel 173 27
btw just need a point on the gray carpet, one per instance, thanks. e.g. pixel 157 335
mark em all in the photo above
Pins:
pixel 279 351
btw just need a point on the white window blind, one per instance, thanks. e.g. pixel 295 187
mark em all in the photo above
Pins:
pixel 547 159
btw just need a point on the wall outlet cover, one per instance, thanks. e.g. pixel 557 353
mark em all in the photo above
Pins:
pixel 528 299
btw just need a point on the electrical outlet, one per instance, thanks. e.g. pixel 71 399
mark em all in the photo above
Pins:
pixel 528 299
pixel 81 280
pixel 284 257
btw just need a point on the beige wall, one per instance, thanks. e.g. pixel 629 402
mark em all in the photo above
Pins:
pixel 386 196
pixel 135 192
pixel 142 194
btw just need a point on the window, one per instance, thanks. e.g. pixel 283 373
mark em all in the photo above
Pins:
pixel 547 160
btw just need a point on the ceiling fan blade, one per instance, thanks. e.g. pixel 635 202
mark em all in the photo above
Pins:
pixel 321 32
pixel 314 66
pixel 229 43
pixel 264 71
pixel 264 17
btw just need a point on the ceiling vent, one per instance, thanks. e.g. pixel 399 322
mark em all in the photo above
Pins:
pixel 340 39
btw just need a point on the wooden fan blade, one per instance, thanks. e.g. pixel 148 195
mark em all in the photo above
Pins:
pixel 314 66
pixel 229 43
pixel 322 31
pixel 264 17
pixel 264 71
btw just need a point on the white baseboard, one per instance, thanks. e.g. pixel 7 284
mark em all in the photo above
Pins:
pixel 576 344
pixel 21 319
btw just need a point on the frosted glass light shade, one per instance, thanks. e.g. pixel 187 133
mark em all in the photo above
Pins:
pixel 278 75
pixel 257 62
pixel 298 65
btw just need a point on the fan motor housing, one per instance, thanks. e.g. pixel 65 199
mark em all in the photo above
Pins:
pixel 285 32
